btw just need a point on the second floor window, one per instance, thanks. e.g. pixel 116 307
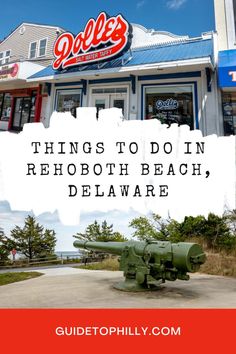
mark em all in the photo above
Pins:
pixel 42 47
pixel 33 50
pixel 5 57
pixel 37 49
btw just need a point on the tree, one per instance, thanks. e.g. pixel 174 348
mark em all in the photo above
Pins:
pixel 230 217
pixel 193 226
pixel 156 228
pixel 218 232
pixel 33 241
pixel 4 251
pixel 97 232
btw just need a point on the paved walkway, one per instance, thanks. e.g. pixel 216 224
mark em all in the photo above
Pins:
pixel 39 268
pixel 78 288
pixel 60 271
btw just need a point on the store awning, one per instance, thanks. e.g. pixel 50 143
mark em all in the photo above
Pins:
pixel 227 68
pixel 196 51
pixel 13 72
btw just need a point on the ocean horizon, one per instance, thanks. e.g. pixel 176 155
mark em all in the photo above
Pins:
pixel 70 254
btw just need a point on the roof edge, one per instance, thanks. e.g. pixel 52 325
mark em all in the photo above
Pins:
pixel 31 24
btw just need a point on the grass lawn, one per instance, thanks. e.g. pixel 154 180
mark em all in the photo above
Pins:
pixel 7 278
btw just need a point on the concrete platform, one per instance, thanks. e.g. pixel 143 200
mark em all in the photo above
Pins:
pixel 77 288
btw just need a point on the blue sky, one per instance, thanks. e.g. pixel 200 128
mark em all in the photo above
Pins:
pixel 190 17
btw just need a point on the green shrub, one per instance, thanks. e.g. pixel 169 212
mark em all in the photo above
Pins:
pixel 106 264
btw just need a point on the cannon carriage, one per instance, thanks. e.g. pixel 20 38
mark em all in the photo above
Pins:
pixel 147 264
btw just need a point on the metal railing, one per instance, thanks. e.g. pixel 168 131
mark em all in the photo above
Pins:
pixel 27 262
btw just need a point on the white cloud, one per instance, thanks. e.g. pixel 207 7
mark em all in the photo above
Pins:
pixel 140 4
pixel 175 4
pixel 120 220
pixel 49 218
pixel 9 217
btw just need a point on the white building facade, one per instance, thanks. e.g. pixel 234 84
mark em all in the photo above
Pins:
pixel 161 76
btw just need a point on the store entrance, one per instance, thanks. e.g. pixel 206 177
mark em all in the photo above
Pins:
pixel 109 98
pixel 24 108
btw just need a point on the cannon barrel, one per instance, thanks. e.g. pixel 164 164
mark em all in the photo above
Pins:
pixel 109 247
pixel 184 256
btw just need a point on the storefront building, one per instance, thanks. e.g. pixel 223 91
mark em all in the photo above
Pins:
pixel 19 102
pixel 156 75
pixel 27 50
pixel 227 84
pixel 225 11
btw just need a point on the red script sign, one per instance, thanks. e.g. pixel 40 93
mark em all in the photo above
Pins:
pixel 102 39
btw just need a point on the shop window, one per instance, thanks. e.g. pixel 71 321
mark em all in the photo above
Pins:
pixel 42 47
pixel 33 49
pixel 110 90
pixel 97 91
pixel 1 101
pixel 5 57
pixel 5 106
pixel 229 112
pixel 234 5
pixel 68 101
pixel 170 104
pixel 121 90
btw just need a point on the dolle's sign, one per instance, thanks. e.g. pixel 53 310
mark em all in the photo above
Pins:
pixel 169 105
pixel 102 39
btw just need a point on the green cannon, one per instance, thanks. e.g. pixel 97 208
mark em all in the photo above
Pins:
pixel 147 264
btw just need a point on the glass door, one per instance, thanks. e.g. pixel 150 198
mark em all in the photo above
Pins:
pixel 17 114
pixel 5 106
pixel 119 101
pixel 25 113
pixel 100 102
pixel 109 98
pixel 22 112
